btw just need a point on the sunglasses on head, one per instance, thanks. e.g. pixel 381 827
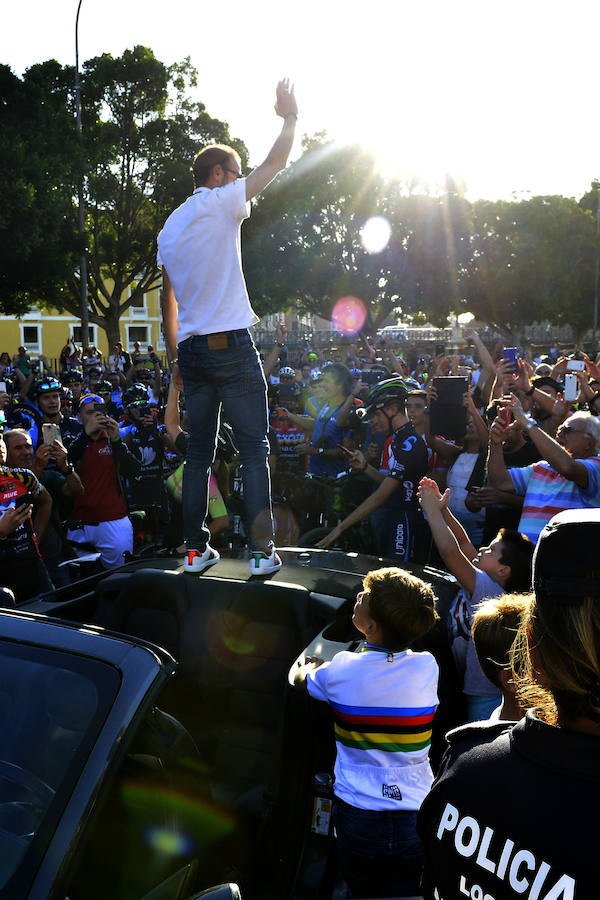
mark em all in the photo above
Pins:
pixel 91 398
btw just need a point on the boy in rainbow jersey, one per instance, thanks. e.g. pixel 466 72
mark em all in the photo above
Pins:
pixel 383 702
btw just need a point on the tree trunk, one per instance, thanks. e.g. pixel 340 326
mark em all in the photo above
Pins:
pixel 113 334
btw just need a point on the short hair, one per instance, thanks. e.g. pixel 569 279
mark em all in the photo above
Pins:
pixel 15 432
pixel 402 605
pixel 495 625
pixel 591 427
pixel 208 158
pixel 517 552
pixel 342 375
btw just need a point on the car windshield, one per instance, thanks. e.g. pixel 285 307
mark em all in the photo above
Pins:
pixel 52 705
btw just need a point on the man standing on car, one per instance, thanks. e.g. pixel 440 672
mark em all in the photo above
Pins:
pixel 206 316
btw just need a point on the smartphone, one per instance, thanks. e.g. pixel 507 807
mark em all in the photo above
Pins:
pixel 571 388
pixel 511 354
pixel 50 433
pixel 505 415
pixel 575 365
pixel 25 499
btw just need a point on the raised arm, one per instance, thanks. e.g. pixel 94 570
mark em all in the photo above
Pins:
pixel 548 448
pixel 277 157
pixel 448 547
pixel 487 363
pixel 269 363
pixel 497 472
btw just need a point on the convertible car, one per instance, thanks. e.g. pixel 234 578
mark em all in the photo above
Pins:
pixel 152 745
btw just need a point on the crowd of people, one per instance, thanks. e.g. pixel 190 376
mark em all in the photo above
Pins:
pixel 484 462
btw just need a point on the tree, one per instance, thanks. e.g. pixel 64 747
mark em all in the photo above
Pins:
pixel 140 134
pixel 532 260
pixel 38 245
pixel 303 245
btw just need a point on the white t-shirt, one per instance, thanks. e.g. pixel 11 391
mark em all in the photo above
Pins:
pixel 199 246
pixel 383 706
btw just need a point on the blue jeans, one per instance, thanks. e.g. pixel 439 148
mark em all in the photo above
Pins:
pixel 232 378
pixel 380 852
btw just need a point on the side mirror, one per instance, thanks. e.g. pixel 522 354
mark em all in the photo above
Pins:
pixel 220 892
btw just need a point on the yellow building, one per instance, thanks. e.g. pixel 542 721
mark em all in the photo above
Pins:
pixel 45 331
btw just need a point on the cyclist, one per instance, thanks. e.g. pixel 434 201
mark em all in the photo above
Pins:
pixel 46 394
pixel 325 454
pixel 401 528
pixel 75 381
pixel 145 489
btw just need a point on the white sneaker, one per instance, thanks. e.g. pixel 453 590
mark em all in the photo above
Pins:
pixel 196 562
pixel 263 564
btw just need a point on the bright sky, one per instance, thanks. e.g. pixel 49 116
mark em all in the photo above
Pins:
pixel 502 94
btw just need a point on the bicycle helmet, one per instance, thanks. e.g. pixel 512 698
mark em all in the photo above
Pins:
pixel 137 393
pixel 104 387
pixel 44 386
pixel 287 370
pixel 316 376
pixel 74 376
pixel 386 392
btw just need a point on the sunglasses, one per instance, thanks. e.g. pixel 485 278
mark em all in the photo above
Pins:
pixel 91 398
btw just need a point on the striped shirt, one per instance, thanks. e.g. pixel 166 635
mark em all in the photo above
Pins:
pixel 548 493
pixel 383 705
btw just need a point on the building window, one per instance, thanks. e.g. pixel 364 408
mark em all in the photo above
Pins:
pixel 138 308
pixel 92 334
pixel 31 338
pixel 139 333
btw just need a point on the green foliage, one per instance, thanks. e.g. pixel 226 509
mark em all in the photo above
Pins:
pixel 39 148
pixel 140 134
pixel 511 263
pixel 532 260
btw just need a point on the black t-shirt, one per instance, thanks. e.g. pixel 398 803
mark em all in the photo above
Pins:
pixel 512 815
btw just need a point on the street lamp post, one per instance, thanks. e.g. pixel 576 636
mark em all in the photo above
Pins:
pixel 83 263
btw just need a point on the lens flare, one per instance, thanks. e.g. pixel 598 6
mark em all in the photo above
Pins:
pixel 375 234
pixel 169 843
pixel 349 314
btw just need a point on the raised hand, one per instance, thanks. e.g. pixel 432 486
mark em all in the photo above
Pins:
pixel 285 104
pixel 282 332
pixel 430 498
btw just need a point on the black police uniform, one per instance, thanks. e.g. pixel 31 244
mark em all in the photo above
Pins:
pixel 512 815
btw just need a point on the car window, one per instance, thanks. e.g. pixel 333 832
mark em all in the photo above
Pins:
pixel 52 706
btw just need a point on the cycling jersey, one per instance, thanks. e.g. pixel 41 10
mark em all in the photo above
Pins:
pixel 15 483
pixel 404 458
